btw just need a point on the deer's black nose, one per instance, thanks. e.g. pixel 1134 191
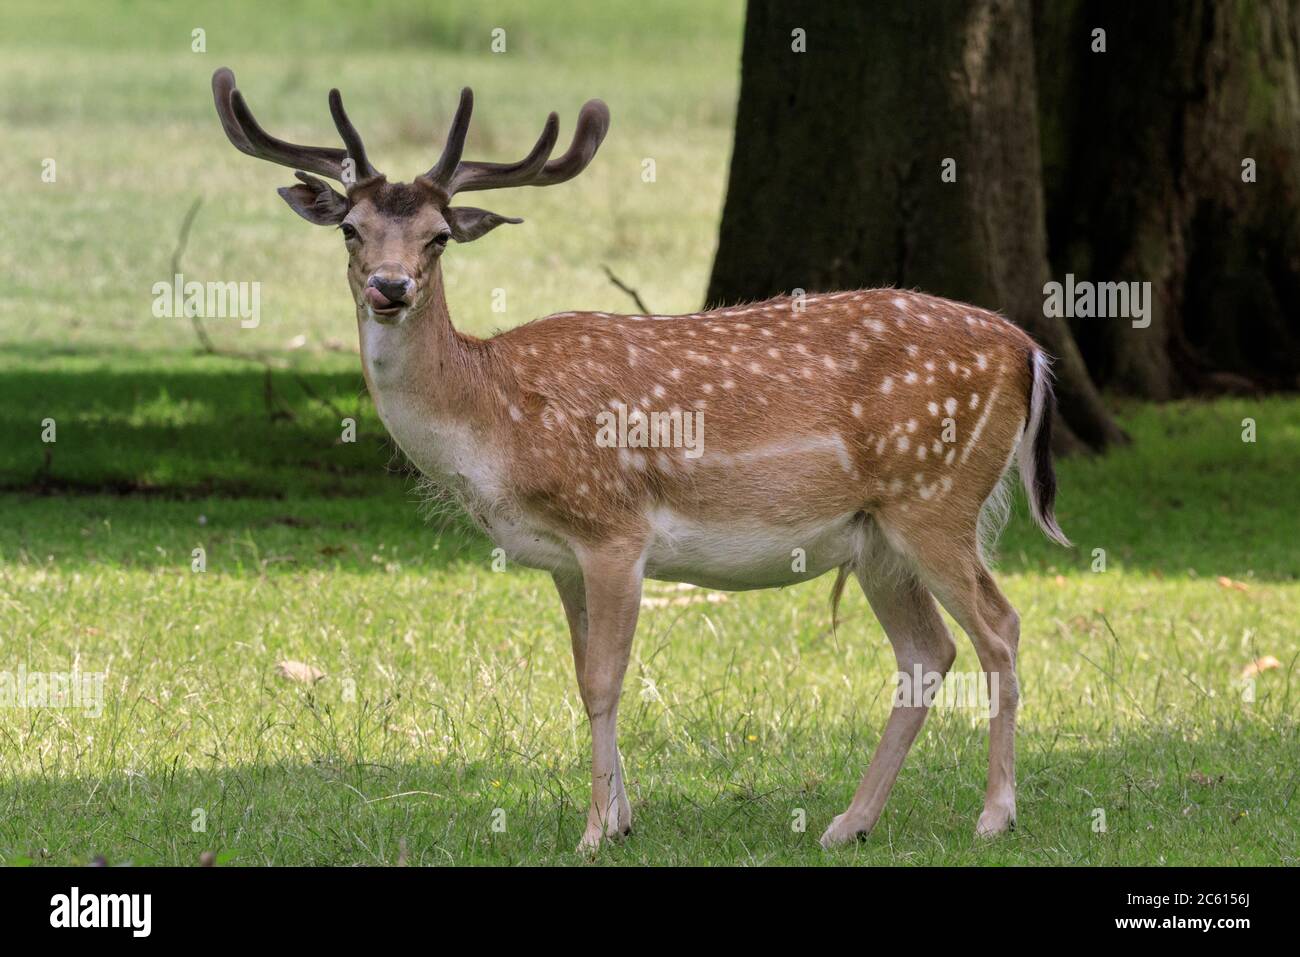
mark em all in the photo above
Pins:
pixel 393 288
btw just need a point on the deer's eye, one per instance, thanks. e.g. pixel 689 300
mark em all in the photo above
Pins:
pixel 440 240
pixel 349 232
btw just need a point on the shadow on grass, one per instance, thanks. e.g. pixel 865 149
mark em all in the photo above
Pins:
pixel 185 427
pixel 239 535
pixel 1162 798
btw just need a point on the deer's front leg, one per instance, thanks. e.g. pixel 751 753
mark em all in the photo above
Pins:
pixel 612 577
pixel 573 594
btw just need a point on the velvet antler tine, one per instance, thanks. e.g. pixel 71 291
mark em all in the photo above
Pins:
pixel 473 175
pixel 593 124
pixel 454 175
pixel 248 136
pixel 442 171
pixel 356 149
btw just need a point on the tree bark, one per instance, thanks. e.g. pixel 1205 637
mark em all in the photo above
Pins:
pixel 836 171
pixel 1143 147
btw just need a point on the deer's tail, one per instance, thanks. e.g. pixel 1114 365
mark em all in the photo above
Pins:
pixel 1036 471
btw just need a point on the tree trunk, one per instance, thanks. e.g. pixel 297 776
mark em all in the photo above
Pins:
pixel 836 176
pixel 1143 150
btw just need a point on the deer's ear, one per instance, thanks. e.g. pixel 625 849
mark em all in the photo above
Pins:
pixel 468 223
pixel 315 201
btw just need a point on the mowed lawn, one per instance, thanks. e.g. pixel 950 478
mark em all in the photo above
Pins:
pixel 447 726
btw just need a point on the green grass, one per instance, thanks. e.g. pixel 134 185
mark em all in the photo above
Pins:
pixel 116 97
pixel 449 692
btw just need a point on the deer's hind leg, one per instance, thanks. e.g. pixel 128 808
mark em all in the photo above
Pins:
pixel 947 558
pixel 910 618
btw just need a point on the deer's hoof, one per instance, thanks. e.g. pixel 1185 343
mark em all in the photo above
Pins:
pixel 843 830
pixel 996 819
pixel 596 835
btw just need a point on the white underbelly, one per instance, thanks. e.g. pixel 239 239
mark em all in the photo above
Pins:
pixel 527 543
pixel 743 555
pixel 731 557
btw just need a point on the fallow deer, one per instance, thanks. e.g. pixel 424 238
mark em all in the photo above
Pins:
pixel 866 431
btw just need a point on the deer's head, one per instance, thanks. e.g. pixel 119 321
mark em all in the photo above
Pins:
pixel 395 233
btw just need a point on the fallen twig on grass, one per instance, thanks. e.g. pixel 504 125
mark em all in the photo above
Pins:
pixel 267 362
pixel 182 240
pixel 636 296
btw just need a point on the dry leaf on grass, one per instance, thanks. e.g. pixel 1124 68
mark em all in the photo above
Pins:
pixel 1204 780
pixel 299 671
pixel 1267 663
pixel 341 345
pixel 1226 582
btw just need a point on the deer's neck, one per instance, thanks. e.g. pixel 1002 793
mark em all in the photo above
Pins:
pixel 422 359
pixel 430 385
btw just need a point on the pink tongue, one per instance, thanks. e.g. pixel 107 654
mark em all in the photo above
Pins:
pixel 378 299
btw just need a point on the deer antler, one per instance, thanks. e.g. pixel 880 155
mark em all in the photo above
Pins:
pixel 248 137
pixel 452 175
